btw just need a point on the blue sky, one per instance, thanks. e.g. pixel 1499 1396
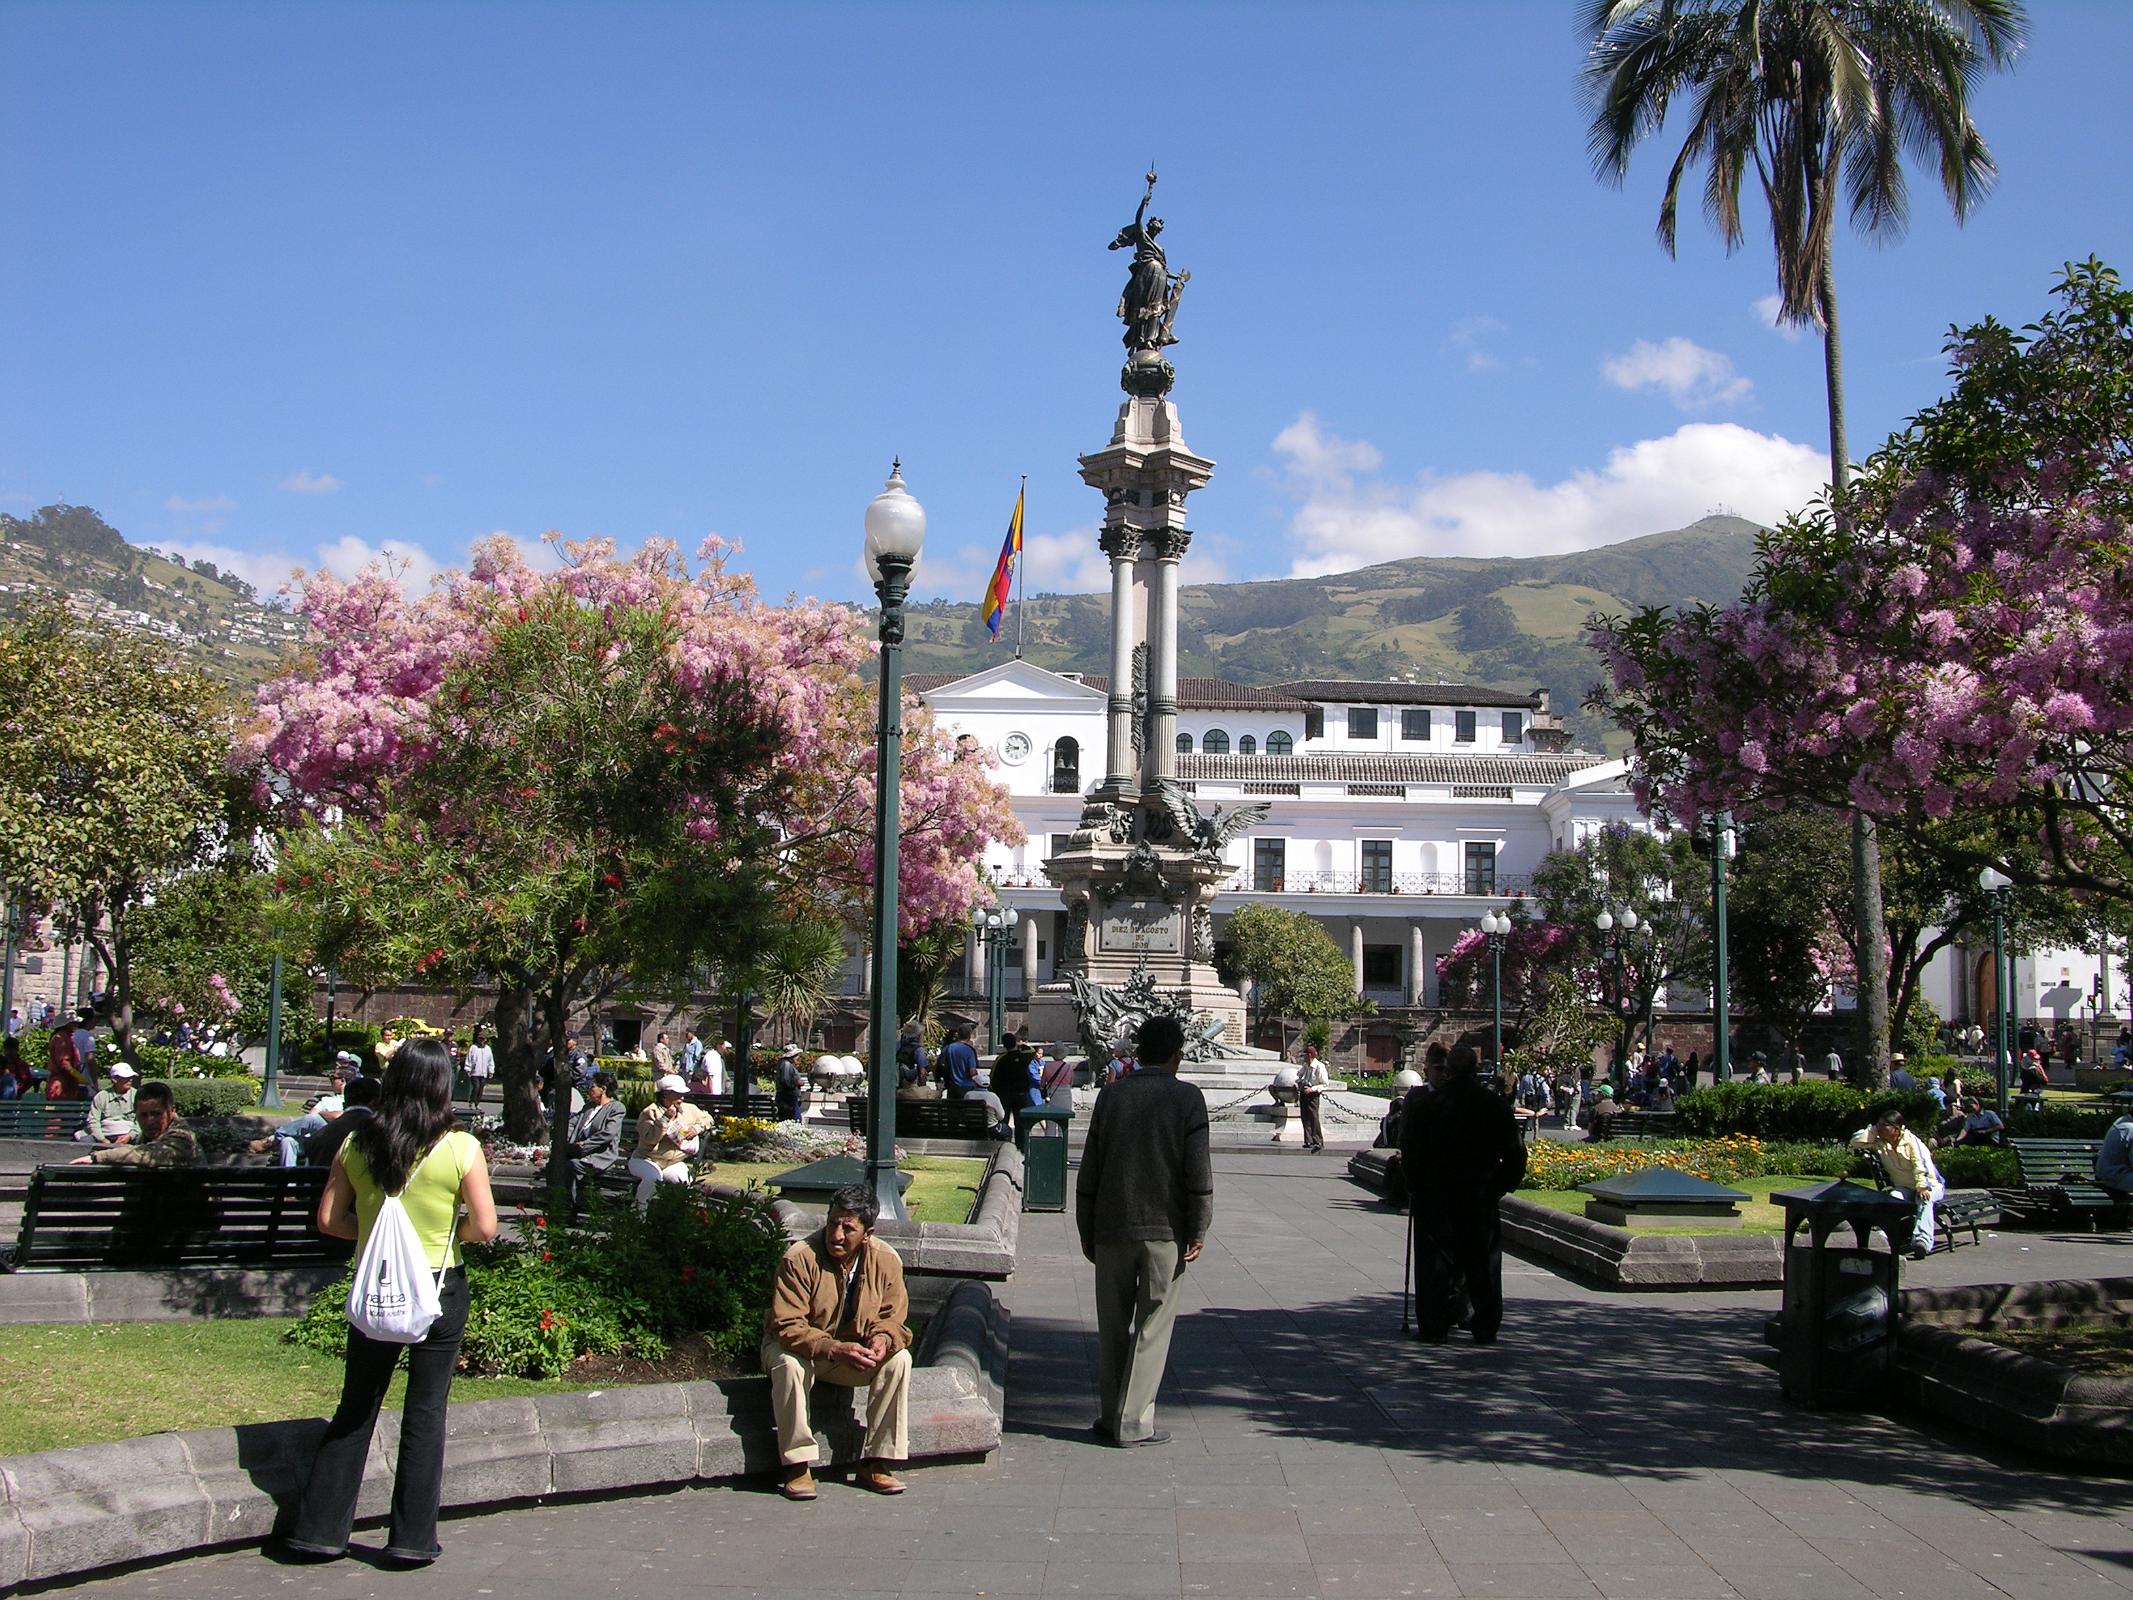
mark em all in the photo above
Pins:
pixel 294 284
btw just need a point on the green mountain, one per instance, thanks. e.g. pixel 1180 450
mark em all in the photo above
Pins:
pixel 1508 623
pixel 212 616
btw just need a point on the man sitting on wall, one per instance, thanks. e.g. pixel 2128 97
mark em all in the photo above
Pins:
pixel 839 1314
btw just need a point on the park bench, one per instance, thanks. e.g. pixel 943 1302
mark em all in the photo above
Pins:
pixel 39 1118
pixel 2059 1175
pixel 1963 1208
pixel 930 1119
pixel 762 1106
pixel 117 1217
pixel 1638 1125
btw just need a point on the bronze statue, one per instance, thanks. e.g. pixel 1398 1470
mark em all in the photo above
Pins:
pixel 1149 306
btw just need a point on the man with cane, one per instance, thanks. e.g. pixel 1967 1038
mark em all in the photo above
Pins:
pixel 1460 1153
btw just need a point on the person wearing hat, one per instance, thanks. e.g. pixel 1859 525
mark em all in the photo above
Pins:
pixel 791 1084
pixel 111 1114
pixel 1899 1074
pixel 1604 1111
pixel 669 1131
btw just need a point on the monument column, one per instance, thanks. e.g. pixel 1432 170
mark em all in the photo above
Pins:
pixel 1355 950
pixel 1122 545
pixel 1169 544
pixel 1029 955
pixel 1417 965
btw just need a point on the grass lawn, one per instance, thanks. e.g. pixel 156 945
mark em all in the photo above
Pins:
pixel 65 1384
pixel 1759 1214
pixel 943 1188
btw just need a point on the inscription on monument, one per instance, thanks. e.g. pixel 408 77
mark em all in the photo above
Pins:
pixel 1129 926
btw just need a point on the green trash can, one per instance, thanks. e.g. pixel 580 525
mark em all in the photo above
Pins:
pixel 1041 1136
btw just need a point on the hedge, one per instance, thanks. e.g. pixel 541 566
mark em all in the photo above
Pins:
pixel 214 1097
pixel 1809 1111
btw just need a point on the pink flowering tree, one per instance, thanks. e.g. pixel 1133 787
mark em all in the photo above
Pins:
pixel 620 771
pixel 1532 952
pixel 1959 646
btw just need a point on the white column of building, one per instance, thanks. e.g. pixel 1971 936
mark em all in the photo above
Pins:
pixel 1029 954
pixel 974 965
pixel 1355 950
pixel 1417 965
pixel 1122 545
pixel 1169 545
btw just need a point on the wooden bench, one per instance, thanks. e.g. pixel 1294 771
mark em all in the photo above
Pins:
pixel 763 1106
pixel 931 1119
pixel 2060 1176
pixel 1638 1125
pixel 1963 1208
pixel 39 1118
pixel 114 1217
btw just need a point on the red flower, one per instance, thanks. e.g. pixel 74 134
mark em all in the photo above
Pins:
pixel 688 1274
pixel 547 1255
pixel 540 1222
pixel 547 1319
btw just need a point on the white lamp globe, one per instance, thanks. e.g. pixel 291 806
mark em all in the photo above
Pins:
pixel 1992 880
pixel 1604 921
pixel 896 524
pixel 1629 922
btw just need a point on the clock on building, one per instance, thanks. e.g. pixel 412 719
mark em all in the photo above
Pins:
pixel 1014 749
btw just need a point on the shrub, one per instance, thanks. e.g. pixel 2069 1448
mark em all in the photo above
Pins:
pixel 213 1097
pixel 1809 1111
pixel 618 1281
pixel 2061 1122
pixel 170 1063
pixel 635 1094
pixel 358 1038
pixel 627 1069
pixel 1977 1166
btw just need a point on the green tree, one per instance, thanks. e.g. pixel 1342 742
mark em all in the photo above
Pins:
pixel 1815 96
pixel 1781 919
pixel 208 940
pixel 794 977
pixel 1560 1033
pixel 1297 971
pixel 924 963
pixel 120 784
pixel 1622 869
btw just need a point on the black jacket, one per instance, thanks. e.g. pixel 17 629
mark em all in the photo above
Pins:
pixel 1459 1144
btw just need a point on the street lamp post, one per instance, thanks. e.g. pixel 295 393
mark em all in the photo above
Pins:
pixel 1996 883
pixel 7 968
pixel 270 1083
pixel 1616 931
pixel 992 932
pixel 896 531
pixel 1496 925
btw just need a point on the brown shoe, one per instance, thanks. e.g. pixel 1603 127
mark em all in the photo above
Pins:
pixel 799 1484
pixel 876 1481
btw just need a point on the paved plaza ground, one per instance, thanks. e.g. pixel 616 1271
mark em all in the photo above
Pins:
pixel 1617 1445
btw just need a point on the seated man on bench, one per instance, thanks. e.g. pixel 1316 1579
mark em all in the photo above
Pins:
pixel 2114 1158
pixel 164 1140
pixel 839 1314
pixel 1907 1166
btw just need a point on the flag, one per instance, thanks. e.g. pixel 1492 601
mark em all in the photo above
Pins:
pixel 994 603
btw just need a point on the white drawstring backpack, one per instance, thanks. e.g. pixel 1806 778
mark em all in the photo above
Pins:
pixel 394 1298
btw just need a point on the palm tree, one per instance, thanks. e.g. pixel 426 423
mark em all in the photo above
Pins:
pixel 1813 95
pixel 795 977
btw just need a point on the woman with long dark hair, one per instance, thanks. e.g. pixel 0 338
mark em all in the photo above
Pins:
pixel 411 1146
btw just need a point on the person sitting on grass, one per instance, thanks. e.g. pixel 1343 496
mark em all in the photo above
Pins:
pixel 357 1102
pixel 839 1314
pixel 164 1140
pixel 1907 1167
pixel 292 1136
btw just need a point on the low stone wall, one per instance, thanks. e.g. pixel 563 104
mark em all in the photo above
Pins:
pixel 64 1513
pixel 983 1247
pixel 1621 1259
pixel 173 1294
pixel 2036 1404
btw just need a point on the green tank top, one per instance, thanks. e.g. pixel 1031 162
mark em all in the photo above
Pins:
pixel 431 1199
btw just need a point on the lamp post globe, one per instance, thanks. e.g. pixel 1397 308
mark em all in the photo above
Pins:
pixel 895 533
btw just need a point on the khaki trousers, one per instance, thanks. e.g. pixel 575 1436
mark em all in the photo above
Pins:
pixel 793 1378
pixel 1136 1307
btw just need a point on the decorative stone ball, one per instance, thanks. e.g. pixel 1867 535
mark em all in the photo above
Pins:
pixel 1285 1078
pixel 1407 1078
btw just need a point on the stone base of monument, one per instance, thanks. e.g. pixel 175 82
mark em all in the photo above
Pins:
pixel 1286 1120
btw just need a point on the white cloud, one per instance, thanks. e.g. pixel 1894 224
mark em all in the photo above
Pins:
pixel 1694 378
pixel 206 507
pixel 1646 487
pixel 1469 340
pixel 1765 312
pixel 409 562
pixel 1310 452
pixel 265 570
pixel 305 481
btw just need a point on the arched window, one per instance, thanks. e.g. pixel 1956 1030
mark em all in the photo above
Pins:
pixel 1215 742
pixel 1247 745
pixel 1184 744
pixel 1066 766
pixel 1278 743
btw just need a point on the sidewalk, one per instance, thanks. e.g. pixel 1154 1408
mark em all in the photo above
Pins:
pixel 1612 1445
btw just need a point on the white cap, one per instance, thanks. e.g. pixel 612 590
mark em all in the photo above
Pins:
pixel 788 1052
pixel 122 1071
pixel 670 1084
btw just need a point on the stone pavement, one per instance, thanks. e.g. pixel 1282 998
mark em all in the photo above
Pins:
pixel 1613 1445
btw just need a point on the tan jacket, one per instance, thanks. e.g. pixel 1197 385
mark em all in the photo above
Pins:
pixel 804 1301
pixel 660 1142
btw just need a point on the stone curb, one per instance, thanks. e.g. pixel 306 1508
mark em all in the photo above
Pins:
pixel 1618 1258
pixel 983 1247
pixel 2019 1399
pixel 68 1512
pixel 177 1294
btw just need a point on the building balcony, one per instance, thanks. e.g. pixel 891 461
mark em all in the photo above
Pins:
pixel 1406 884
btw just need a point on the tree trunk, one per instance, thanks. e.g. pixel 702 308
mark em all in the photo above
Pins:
pixel 1872 1066
pixel 517 1063
pixel 558 1010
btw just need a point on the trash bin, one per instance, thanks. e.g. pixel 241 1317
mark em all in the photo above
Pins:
pixel 1041 1136
pixel 1839 1319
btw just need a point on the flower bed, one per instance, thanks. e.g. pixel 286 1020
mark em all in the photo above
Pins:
pixel 1550 1165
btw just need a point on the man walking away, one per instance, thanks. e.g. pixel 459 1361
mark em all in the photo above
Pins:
pixel 1311 1081
pixel 1014 1074
pixel 959 1064
pixel 1461 1153
pixel 1143 1204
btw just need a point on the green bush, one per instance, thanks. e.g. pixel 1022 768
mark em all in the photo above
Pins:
pixel 1816 1112
pixel 358 1038
pixel 1977 1166
pixel 627 1069
pixel 635 1094
pixel 2061 1122
pixel 617 1281
pixel 213 1097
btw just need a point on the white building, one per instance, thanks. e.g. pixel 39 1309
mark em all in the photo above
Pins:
pixel 1400 812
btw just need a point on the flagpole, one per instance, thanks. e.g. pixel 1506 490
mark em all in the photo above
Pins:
pixel 1021 560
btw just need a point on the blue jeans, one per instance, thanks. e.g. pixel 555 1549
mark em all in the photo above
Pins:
pixel 294 1134
pixel 326 1510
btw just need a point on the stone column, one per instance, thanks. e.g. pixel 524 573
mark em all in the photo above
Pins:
pixel 1355 950
pixel 1122 545
pixel 1417 965
pixel 1029 954
pixel 1169 544
pixel 974 965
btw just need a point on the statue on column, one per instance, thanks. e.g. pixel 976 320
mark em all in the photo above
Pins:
pixel 1149 305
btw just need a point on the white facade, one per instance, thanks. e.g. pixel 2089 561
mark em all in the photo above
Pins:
pixel 1395 837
